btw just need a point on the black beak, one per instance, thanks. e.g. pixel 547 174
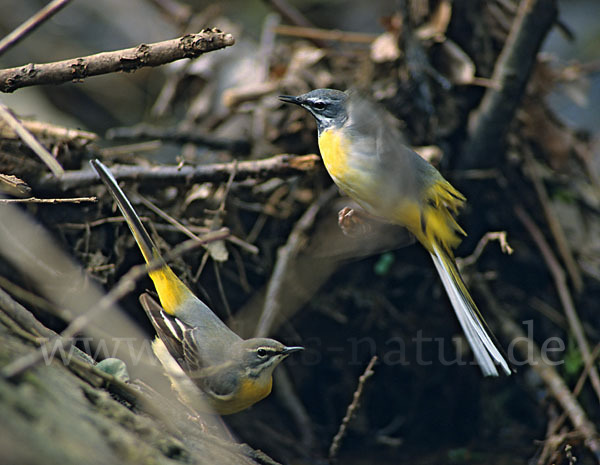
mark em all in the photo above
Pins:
pixel 290 99
pixel 291 350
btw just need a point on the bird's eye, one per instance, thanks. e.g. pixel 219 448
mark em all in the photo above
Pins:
pixel 261 352
pixel 319 105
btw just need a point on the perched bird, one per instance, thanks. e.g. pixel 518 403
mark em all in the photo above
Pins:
pixel 369 160
pixel 192 343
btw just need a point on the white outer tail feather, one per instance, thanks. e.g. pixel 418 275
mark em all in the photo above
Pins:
pixel 485 351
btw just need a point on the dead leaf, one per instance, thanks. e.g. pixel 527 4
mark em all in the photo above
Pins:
pixel 385 48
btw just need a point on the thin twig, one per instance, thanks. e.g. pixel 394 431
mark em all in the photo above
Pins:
pixel 555 227
pixel 553 429
pixel 125 285
pixel 555 384
pixel 108 153
pixel 168 218
pixel 489 123
pixel 46 130
pixel 31 141
pixel 222 292
pixel 337 440
pixel 127 60
pixel 248 92
pixel 36 200
pixel 179 135
pixel 177 11
pixel 289 12
pixel 325 34
pixel 193 229
pixel 33 299
pixel 278 165
pixel 499 236
pixel 32 24
pixel 285 257
pixel 563 292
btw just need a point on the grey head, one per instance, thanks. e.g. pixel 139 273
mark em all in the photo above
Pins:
pixel 328 106
pixel 260 356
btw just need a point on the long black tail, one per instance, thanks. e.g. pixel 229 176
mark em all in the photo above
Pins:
pixel 171 290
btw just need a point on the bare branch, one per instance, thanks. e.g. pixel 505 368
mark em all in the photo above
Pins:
pixel 278 165
pixel 127 60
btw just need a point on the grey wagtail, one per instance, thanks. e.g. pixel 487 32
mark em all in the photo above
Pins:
pixel 369 160
pixel 232 373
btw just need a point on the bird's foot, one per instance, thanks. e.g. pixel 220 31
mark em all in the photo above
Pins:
pixel 352 222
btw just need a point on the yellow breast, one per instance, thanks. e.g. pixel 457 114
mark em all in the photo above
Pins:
pixel 249 393
pixel 334 153
pixel 351 172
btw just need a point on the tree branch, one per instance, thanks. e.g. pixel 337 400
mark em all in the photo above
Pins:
pixel 127 60
pixel 277 165
pixel 489 123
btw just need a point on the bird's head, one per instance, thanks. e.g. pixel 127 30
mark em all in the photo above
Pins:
pixel 328 106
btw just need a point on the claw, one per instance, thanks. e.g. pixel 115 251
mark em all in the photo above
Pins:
pixel 351 223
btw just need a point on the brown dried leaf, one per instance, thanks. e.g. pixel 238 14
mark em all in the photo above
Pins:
pixel 385 48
